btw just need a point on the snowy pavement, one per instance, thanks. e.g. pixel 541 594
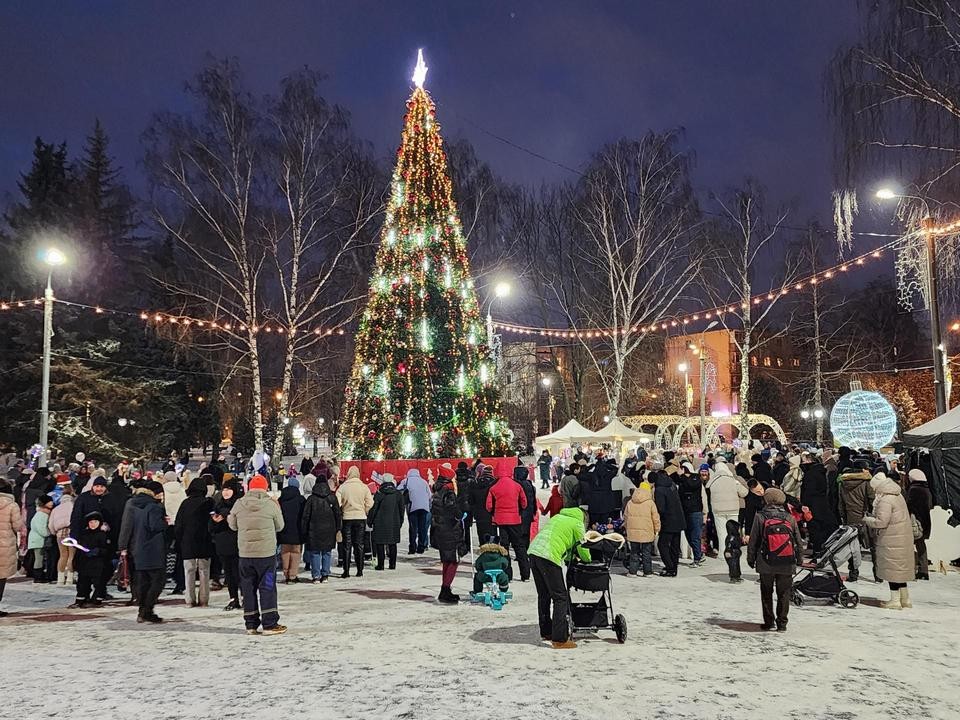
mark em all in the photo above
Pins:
pixel 380 646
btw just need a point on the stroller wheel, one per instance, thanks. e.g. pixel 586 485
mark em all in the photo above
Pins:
pixel 797 598
pixel 620 628
pixel 849 599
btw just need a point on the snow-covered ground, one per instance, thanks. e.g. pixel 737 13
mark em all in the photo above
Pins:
pixel 380 646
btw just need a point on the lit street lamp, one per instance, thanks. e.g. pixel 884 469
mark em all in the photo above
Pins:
pixel 684 368
pixel 701 351
pixel 52 258
pixel 501 290
pixel 930 233
pixel 547 383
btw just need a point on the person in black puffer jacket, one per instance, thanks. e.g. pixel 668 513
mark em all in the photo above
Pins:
pixel 478 491
pixel 522 476
pixel 814 495
pixel 386 519
pixel 192 533
pixel 319 524
pixel 291 507
pixel 672 520
pixel 465 481
pixel 445 535
pixel 691 500
pixel 225 539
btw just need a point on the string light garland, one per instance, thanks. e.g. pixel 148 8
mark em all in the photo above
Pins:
pixel 826 275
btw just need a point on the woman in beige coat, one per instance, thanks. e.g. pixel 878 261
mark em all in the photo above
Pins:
pixel 10 525
pixel 642 523
pixel 893 540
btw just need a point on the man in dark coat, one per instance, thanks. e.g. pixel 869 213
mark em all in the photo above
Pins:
pixel 814 495
pixel 543 465
pixel 603 503
pixel 769 552
pixel 97 500
pixel 919 503
pixel 149 548
pixel 192 532
pixel 761 469
pixel 386 519
pixel 478 491
pixel 672 520
pixel 522 476
pixel 691 493
pixel 780 469
pixel 320 522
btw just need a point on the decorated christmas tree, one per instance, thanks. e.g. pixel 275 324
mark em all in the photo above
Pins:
pixel 422 384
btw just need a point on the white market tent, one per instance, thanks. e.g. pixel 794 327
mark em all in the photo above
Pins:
pixel 616 432
pixel 570 434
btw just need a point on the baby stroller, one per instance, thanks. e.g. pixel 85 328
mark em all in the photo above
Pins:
pixel 594 577
pixel 824 581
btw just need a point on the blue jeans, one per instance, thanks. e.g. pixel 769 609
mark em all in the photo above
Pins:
pixel 694 533
pixel 319 561
pixel 641 552
pixel 419 525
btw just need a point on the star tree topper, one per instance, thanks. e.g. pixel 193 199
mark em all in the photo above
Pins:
pixel 420 71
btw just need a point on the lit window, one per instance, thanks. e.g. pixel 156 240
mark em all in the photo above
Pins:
pixel 779 362
pixel 796 362
pixel 753 360
pixel 766 362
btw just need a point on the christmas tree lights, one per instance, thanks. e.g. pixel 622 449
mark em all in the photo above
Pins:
pixel 420 386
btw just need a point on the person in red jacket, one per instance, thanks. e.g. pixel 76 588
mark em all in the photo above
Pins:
pixel 554 504
pixel 505 501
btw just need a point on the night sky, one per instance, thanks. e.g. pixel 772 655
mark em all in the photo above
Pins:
pixel 744 78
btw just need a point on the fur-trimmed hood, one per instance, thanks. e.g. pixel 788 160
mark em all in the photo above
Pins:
pixel 492 548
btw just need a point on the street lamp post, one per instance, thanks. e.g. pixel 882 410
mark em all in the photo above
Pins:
pixel 547 383
pixel 703 384
pixel 501 290
pixel 929 230
pixel 933 304
pixel 684 368
pixel 52 258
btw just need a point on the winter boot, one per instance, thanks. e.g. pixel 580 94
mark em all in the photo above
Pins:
pixel 893 603
pixel 61 578
pixel 71 578
pixel 905 598
pixel 446 597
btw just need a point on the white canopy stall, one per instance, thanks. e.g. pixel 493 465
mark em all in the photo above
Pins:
pixel 570 434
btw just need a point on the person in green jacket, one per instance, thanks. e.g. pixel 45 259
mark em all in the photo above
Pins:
pixel 551 548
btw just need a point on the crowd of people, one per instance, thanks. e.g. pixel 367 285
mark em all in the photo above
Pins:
pixel 73 525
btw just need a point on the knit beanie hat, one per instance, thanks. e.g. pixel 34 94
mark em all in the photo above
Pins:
pixel 917 475
pixel 155 487
pixel 258 482
pixel 774 496
pixel 100 481
pixel 704 467
pixel 293 482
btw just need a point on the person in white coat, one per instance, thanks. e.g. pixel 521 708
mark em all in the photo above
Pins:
pixel 725 495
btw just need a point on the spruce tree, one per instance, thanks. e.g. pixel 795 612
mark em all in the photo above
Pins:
pixel 422 383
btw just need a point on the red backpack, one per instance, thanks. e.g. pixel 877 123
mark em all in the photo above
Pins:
pixel 777 541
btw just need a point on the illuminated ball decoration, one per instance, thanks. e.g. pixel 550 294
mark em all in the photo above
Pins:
pixel 863 419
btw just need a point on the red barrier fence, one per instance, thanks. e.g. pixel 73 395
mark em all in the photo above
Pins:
pixel 398 468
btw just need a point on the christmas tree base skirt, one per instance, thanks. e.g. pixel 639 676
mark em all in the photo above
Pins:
pixel 427 467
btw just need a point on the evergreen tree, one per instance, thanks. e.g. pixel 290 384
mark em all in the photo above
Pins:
pixel 422 384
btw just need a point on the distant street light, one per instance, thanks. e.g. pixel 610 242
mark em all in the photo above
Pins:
pixel 122 422
pixel 51 257
pixel 886 193
pixel 701 351
pixel 502 289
